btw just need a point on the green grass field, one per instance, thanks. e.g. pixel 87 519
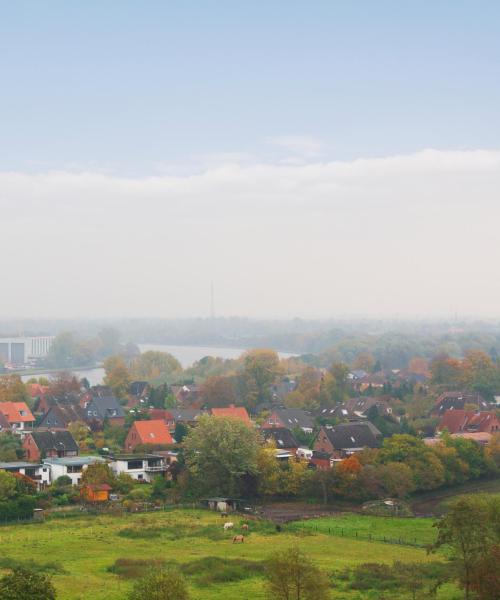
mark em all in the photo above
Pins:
pixel 85 548
pixel 408 531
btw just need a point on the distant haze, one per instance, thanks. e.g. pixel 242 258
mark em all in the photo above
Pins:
pixel 309 159
pixel 405 235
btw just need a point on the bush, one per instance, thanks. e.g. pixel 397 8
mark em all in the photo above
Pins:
pixel 167 584
pixel 23 584
pixel 213 569
pixel 133 568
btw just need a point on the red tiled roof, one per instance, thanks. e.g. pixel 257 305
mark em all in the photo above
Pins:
pixel 232 412
pixel 463 420
pixel 13 410
pixel 153 432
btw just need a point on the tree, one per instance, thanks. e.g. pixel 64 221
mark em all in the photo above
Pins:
pixel 65 384
pixel 12 389
pixel 7 486
pixel 219 391
pixel 98 473
pixel 427 469
pixel 23 584
pixel 260 370
pixel 164 584
pixel 220 453
pixel 364 361
pixel 153 365
pixel 292 576
pixel 493 449
pixel 10 447
pixel 269 470
pixel 471 529
pixel 117 375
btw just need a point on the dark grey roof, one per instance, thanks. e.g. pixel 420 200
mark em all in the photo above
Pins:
pixel 354 408
pixel 185 414
pixel 54 440
pixel 282 436
pixel 61 415
pixel 294 417
pixel 353 435
pixel 458 400
pixel 105 406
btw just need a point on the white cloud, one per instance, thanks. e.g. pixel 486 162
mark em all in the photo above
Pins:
pixel 414 234
pixel 298 144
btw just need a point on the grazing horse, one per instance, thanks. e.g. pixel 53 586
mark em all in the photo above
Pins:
pixel 244 527
pixel 238 539
pixel 228 526
pixel 223 514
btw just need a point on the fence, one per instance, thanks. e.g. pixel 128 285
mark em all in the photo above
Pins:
pixel 96 511
pixel 369 537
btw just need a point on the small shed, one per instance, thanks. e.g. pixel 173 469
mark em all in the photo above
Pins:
pixel 222 504
pixel 95 492
pixel 38 514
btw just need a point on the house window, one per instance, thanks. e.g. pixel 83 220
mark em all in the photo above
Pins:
pixel 134 464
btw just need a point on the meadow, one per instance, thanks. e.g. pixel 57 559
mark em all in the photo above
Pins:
pixel 99 557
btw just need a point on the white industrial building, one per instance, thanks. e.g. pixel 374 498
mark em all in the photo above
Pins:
pixel 19 350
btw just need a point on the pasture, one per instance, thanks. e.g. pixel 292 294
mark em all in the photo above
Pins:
pixel 98 557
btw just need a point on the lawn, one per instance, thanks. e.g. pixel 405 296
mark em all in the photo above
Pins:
pixel 85 548
pixel 394 529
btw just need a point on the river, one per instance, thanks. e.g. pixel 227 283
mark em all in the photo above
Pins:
pixel 186 355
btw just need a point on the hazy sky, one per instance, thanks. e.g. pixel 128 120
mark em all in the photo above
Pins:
pixel 310 158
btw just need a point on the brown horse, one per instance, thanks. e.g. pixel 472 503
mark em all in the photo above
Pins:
pixel 244 527
pixel 238 539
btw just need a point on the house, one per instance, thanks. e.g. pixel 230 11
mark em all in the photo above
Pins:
pixel 71 466
pixel 458 401
pixel 104 408
pixel 469 421
pixel 139 389
pixel 186 416
pixel 49 444
pixel 282 437
pixel 321 460
pixel 371 381
pixel 95 492
pixel 355 409
pixel 291 418
pixel 154 432
pixel 347 438
pixel 186 395
pixel 165 415
pixel 4 423
pixel 239 413
pixel 18 416
pixel 60 416
pixel 143 467
pixel 39 473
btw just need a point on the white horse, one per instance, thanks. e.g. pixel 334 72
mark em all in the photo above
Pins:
pixel 228 526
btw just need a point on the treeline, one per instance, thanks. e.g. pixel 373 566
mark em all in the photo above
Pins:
pixel 225 457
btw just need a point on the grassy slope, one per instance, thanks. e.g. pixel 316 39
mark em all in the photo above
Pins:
pixel 86 547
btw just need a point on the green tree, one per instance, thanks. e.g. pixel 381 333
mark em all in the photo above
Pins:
pixel 219 453
pixel 7 486
pixel 12 389
pixel 153 365
pixel 98 473
pixel 260 369
pixel 164 584
pixel 10 447
pixel 117 375
pixel 292 576
pixel 471 529
pixel 23 584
